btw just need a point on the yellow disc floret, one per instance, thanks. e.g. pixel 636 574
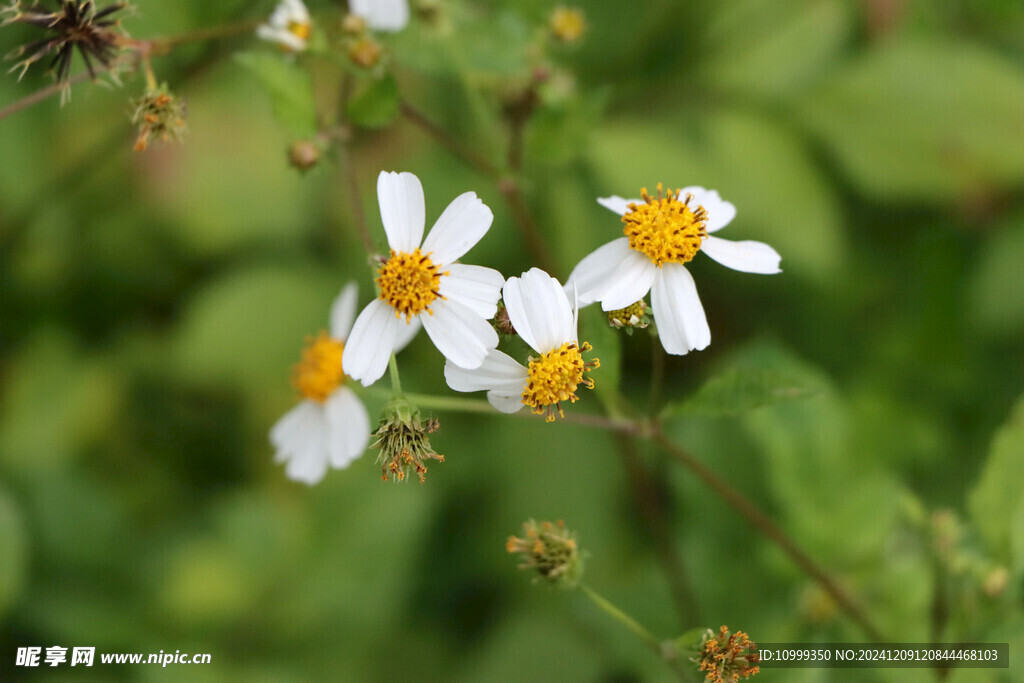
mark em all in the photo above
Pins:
pixel 319 372
pixel 410 282
pixel 666 229
pixel 300 29
pixel 554 378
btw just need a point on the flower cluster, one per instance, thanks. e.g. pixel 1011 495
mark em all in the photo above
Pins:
pixel 421 282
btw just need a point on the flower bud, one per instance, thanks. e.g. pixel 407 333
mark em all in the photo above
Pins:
pixel 364 52
pixel 633 317
pixel 303 155
pixel 567 24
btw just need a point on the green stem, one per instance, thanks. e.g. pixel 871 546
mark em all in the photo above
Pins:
pixel 396 381
pixel 636 628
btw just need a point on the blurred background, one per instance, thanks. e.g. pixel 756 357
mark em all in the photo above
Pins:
pixel 152 305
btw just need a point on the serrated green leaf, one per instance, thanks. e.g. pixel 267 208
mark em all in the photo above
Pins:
pixel 289 86
pixel 376 104
pixel 997 495
pixel 923 119
pixel 739 389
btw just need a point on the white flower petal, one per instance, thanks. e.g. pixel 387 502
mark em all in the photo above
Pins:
pixel 300 438
pixel 459 228
pixel 370 343
pixel 617 203
pixel 348 426
pixel 281 36
pixel 506 402
pixel 720 212
pixel 402 211
pixel 476 287
pixel 462 336
pixel 499 371
pixel 296 10
pixel 678 312
pixel 591 275
pixel 747 256
pixel 629 282
pixel 343 311
pixel 406 332
pixel 538 306
pixel 382 15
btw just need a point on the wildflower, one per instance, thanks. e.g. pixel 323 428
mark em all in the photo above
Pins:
pixel 160 115
pixel 550 550
pixel 568 24
pixel 539 310
pixel 727 657
pixel 75 24
pixel 661 234
pixel 418 279
pixel 403 441
pixel 289 26
pixel 382 15
pixel 329 426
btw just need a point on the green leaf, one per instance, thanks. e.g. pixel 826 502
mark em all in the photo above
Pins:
pixel 923 119
pixel 743 386
pixel 289 86
pixel 376 104
pixel 997 495
pixel 13 552
pixel 771 48
pixel 996 291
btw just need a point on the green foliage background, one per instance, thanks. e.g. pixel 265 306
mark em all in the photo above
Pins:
pixel 151 306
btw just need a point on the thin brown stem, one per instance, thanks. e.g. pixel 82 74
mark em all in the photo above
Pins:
pixel 766 526
pixel 507 185
pixel 163 46
pixel 49 91
pixel 355 198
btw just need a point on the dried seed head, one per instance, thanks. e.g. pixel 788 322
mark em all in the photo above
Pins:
pixel 403 442
pixel 727 657
pixel 75 24
pixel 160 115
pixel 550 550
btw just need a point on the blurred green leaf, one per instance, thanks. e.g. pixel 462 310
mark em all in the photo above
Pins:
pixel 594 328
pixel 996 288
pixel 376 104
pixel 769 48
pixel 247 328
pixel 932 120
pixel 289 86
pixel 997 495
pixel 741 388
pixel 13 552
pixel 560 132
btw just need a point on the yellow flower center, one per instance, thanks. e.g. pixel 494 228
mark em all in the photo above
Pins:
pixel 319 372
pixel 554 378
pixel 300 29
pixel 410 282
pixel 666 229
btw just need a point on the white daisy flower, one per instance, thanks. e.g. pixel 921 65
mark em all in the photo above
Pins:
pixel 329 426
pixel 424 278
pixel 382 15
pixel 289 26
pixel 662 234
pixel 539 309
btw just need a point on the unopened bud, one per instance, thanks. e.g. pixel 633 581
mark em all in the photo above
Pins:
pixel 364 52
pixel 303 155
pixel 632 317
pixel 353 25
pixel 568 24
